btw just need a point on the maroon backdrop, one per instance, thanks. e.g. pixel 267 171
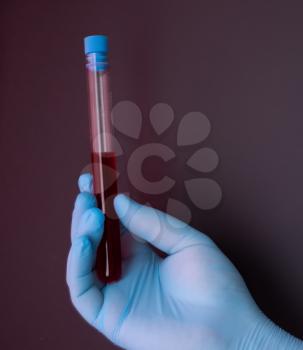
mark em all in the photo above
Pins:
pixel 238 62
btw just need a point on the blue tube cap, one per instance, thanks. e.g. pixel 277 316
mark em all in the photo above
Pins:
pixel 96 43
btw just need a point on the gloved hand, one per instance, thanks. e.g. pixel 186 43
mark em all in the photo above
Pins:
pixel 194 299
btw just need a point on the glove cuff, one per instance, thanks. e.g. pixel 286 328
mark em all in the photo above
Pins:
pixel 268 336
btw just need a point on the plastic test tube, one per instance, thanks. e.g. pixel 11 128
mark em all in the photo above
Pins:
pixel 103 158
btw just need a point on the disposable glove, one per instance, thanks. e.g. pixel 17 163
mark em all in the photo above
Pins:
pixel 193 299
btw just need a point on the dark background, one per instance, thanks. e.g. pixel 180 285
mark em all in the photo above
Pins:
pixel 239 62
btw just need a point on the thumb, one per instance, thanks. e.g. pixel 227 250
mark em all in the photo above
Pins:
pixel 164 231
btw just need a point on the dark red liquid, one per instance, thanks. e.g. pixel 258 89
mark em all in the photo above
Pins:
pixel 108 262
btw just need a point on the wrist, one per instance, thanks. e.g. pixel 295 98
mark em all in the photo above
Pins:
pixel 266 335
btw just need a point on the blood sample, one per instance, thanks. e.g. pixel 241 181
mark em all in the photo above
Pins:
pixel 103 158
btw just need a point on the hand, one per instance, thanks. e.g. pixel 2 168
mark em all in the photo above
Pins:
pixel 193 299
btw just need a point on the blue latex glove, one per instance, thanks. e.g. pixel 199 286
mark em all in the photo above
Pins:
pixel 194 299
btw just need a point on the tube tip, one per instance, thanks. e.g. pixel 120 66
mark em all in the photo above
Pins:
pixel 95 43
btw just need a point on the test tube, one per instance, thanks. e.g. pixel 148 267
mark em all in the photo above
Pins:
pixel 103 157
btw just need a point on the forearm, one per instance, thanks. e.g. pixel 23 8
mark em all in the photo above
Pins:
pixel 268 336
